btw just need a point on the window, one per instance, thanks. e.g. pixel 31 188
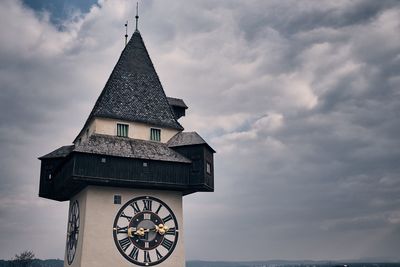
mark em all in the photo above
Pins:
pixel 208 167
pixel 155 134
pixel 122 130
pixel 117 199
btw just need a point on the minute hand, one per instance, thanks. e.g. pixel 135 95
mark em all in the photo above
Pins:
pixel 161 229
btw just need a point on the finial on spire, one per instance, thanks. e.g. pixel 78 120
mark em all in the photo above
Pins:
pixel 126 33
pixel 137 16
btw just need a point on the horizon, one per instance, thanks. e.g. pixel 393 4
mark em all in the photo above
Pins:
pixel 299 99
pixel 282 261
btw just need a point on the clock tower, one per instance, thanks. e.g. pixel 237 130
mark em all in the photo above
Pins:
pixel 127 171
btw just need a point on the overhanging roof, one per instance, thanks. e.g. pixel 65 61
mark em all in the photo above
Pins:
pixel 108 145
pixel 187 139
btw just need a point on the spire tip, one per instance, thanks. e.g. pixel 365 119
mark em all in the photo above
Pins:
pixel 137 16
pixel 126 33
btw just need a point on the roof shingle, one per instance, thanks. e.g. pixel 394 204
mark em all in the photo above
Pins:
pixel 129 148
pixel 61 152
pixel 176 102
pixel 187 139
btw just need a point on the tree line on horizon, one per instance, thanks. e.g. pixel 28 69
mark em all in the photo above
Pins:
pixel 27 259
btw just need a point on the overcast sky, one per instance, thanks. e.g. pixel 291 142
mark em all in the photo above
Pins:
pixel 301 100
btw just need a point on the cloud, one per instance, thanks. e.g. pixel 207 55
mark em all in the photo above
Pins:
pixel 49 81
pixel 300 100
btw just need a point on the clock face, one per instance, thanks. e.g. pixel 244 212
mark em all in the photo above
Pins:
pixel 73 231
pixel 145 231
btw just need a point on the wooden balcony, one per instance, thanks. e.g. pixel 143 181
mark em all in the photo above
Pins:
pixel 63 178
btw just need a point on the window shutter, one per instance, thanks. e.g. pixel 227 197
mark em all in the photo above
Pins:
pixel 122 130
pixel 155 134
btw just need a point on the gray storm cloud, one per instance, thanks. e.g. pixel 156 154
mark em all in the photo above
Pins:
pixel 299 98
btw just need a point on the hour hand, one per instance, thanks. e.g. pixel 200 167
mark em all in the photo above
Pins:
pixel 140 232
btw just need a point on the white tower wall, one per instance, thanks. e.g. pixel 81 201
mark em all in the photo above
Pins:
pixel 96 247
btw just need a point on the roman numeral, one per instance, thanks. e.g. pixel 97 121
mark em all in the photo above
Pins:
pixel 134 253
pixel 126 216
pixel 121 230
pixel 147 203
pixel 76 211
pixel 124 243
pixel 158 209
pixel 166 243
pixel 171 231
pixel 146 256
pixel 159 256
pixel 135 207
pixel 70 255
pixel 168 218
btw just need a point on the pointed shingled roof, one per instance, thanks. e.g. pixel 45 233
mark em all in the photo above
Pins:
pixel 133 91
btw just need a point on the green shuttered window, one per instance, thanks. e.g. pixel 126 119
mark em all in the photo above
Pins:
pixel 122 130
pixel 155 134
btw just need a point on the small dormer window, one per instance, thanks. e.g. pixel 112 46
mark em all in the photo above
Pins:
pixel 155 134
pixel 122 130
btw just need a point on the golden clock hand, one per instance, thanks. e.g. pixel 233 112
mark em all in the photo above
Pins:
pixel 140 232
pixel 130 232
pixel 161 229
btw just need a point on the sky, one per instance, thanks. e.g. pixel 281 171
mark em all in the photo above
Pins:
pixel 300 99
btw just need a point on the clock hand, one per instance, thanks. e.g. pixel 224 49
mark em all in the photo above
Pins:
pixel 140 232
pixel 161 229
